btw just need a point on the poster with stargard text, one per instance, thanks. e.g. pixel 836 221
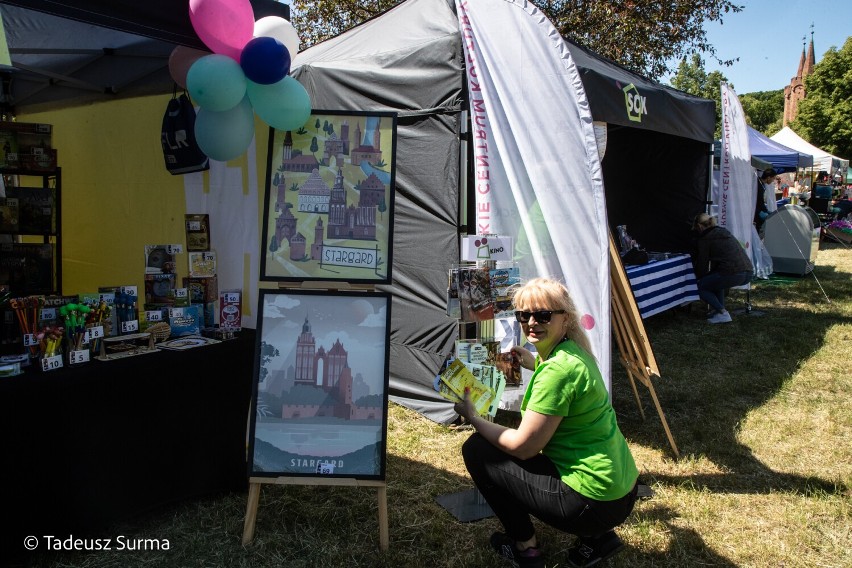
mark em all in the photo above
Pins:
pixel 321 384
pixel 328 208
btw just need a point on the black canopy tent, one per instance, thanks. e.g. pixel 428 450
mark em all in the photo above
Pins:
pixel 410 61
pixel 67 52
pixel 658 155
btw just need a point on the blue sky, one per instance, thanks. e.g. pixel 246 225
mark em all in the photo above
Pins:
pixel 767 37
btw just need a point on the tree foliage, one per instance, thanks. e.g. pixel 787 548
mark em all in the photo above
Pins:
pixel 642 35
pixel 764 110
pixel 824 115
pixel 693 79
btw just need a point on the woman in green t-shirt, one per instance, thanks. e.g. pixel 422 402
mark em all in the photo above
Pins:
pixel 566 463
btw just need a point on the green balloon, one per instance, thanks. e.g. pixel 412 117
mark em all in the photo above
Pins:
pixel 284 105
pixel 225 135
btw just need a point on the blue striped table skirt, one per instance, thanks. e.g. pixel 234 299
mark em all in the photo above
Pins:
pixel 663 284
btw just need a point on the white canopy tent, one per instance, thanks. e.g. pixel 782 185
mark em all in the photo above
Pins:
pixel 823 161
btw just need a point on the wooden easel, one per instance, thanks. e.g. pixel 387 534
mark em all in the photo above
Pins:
pixel 637 357
pixel 254 498
pixel 256 482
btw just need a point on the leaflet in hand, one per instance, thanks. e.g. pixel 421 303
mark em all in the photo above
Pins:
pixel 485 384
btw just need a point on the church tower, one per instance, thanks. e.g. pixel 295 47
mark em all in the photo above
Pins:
pixel 795 91
pixel 305 351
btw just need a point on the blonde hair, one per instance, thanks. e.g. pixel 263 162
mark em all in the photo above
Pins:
pixel 704 220
pixel 546 293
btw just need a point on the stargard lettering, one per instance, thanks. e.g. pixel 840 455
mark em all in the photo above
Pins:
pixel 348 257
pixel 302 462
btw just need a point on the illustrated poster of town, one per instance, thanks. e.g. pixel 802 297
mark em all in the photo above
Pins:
pixel 321 378
pixel 328 212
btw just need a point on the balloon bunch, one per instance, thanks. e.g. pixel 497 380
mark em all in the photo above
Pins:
pixel 247 73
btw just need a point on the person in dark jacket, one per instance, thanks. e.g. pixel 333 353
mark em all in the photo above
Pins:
pixel 721 263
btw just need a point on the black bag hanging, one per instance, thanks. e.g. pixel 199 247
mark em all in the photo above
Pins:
pixel 180 149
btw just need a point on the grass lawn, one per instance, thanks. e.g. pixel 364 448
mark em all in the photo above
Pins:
pixel 760 408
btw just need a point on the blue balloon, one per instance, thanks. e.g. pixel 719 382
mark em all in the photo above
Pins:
pixel 216 82
pixel 265 60
pixel 225 135
pixel 284 105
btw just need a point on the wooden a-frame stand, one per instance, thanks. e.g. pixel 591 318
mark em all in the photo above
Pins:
pixel 637 357
pixel 254 499
pixel 256 482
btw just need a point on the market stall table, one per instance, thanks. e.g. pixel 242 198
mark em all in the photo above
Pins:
pixel 663 284
pixel 88 446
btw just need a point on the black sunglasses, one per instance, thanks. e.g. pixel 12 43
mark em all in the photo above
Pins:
pixel 541 316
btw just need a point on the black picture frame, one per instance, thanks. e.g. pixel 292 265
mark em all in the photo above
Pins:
pixel 329 199
pixel 319 406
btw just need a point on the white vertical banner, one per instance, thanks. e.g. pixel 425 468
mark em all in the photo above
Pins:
pixel 232 203
pixel 537 174
pixel 737 192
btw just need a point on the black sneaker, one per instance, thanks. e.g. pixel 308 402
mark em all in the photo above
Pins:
pixel 590 551
pixel 505 548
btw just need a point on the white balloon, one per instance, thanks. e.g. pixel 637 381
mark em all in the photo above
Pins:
pixel 280 29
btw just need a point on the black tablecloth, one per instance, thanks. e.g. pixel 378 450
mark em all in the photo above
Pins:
pixel 87 446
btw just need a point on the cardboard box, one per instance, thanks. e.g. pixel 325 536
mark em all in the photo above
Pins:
pixel 186 321
pixel 159 289
pixel 202 290
pixel 231 309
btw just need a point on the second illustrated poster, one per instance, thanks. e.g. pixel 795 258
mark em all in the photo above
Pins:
pixel 328 209
pixel 321 384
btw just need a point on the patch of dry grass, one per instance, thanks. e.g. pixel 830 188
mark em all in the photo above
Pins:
pixel 761 410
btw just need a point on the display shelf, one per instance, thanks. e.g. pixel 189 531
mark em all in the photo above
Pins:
pixel 31 215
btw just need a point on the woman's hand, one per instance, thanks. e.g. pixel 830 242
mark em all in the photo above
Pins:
pixel 524 357
pixel 465 407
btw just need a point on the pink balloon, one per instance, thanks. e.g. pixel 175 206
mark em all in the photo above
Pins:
pixel 224 26
pixel 181 59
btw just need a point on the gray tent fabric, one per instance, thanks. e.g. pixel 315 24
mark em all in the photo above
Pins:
pixel 408 61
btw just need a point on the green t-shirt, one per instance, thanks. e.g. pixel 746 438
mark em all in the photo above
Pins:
pixel 587 448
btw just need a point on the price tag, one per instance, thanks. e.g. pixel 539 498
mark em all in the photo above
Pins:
pixel 48 314
pixel 95 332
pixel 107 297
pixel 81 356
pixel 193 225
pixel 174 249
pixel 30 340
pixel 129 326
pixel 232 297
pixel 175 313
pixel 154 315
pixel 129 290
pixel 51 363
pixel 181 293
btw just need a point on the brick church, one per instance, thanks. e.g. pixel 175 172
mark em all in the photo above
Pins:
pixel 795 91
